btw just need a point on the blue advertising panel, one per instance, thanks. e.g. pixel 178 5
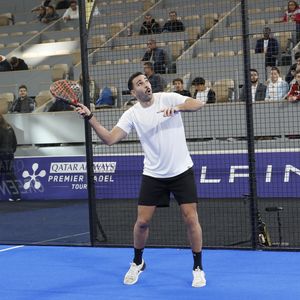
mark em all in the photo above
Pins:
pixel 118 177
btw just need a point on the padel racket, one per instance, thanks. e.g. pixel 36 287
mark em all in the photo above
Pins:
pixel 68 91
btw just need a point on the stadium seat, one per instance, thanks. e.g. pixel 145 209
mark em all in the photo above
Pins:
pixel 5 101
pixel 193 33
pixel 43 67
pixel 60 71
pixel 115 28
pixel 206 54
pixel 42 97
pixel 210 20
pixel 225 53
pixel 176 48
pixel 222 88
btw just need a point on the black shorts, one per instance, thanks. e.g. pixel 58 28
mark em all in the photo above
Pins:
pixel 157 191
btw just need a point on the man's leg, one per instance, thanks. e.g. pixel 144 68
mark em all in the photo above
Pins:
pixel 194 231
pixel 140 236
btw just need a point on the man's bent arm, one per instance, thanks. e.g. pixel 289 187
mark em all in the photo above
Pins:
pixel 190 104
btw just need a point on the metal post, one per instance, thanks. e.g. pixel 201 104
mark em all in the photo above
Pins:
pixel 88 132
pixel 250 127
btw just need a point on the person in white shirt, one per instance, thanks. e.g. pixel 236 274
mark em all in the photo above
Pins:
pixel 277 88
pixel 73 12
pixel 157 120
pixel 203 92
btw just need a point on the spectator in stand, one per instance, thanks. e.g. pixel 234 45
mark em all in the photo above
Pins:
pixel 44 4
pixel 277 88
pixel 292 14
pixel 4 64
pixel 158 84
pixel 157 56
pixel 8 146
pixel 149 26
pixel 290 75
pixel 294 92
pixel 269 46
pixel 18 64
pixel 23 104
pixel 41 13
pixel 258 89
pixel 51 15
pixel 72 12
pixel 173 24
pixel 62 4
pixel 202 92
pixel 178 85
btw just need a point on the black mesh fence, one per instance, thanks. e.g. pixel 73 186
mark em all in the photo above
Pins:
pixel 207 48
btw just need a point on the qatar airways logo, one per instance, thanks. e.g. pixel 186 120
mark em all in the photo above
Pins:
pixel 242 171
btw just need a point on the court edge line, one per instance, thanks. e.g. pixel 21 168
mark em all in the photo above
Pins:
pixel 12 248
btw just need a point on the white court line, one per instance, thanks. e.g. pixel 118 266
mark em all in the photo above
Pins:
pixel 11 248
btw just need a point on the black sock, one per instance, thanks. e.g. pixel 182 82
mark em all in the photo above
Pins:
pixel 197 260
pixel 138 256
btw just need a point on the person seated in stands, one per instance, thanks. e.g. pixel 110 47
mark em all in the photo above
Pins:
pixel 44 4
pixel 173 24
pixel 157 56
pixel 294 92
pixel 178 85
pixel 258 89
pixel 51 15
pixel 203 92
pixel 290 74
pixel 4 64
pixel 18 64
pixel 149 26
pixel 23 104
pixel 62 4
pixel 269 46
pixel 277 88
pixel 158 83
pixel 59 105
pixel 72 12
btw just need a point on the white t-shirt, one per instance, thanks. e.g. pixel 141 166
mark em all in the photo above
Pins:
pixel 202 95
pixel 162 138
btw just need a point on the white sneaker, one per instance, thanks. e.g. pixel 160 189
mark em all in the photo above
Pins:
pixel 134 272
pixel 199 278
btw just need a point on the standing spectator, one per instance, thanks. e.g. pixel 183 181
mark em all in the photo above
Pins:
pixel 23 104
pixel 18 64
pixel 8 146
pixel 277 88
pixel 290 75
pixel 72 12
pixel 258 89
pixel 269 46
pixel 202 92
pixel 4 64
pixel 178 84
pixel 157 82
pixel 294 92
pixel 173 24
pixel 149 26
pixel 51 15
pixel 156 55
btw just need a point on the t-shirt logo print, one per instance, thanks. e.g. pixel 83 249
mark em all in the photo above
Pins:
pixel 33 178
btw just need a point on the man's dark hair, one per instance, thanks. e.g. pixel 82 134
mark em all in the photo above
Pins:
pixel 23 86
pixel 149 64
pixel 198 80
pixel 275 69
pixel 72 2
pixel 13 60
pixel 297 55
pixel 130 80
pixel 254 70
pixel 177 79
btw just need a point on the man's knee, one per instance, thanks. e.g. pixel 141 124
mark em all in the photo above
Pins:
pixel 142 224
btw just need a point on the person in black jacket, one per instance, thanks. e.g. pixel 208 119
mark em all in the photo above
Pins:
pixel 202 92
pixel 8 146
pixel 178 85
pixel 4 64
pixel 18 64
pixel 149 26
pixel 173 24
pixel 23 104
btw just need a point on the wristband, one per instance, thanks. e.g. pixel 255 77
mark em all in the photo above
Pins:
pixel 89 116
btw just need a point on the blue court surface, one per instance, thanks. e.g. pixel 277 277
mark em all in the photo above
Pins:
pixel 47 272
